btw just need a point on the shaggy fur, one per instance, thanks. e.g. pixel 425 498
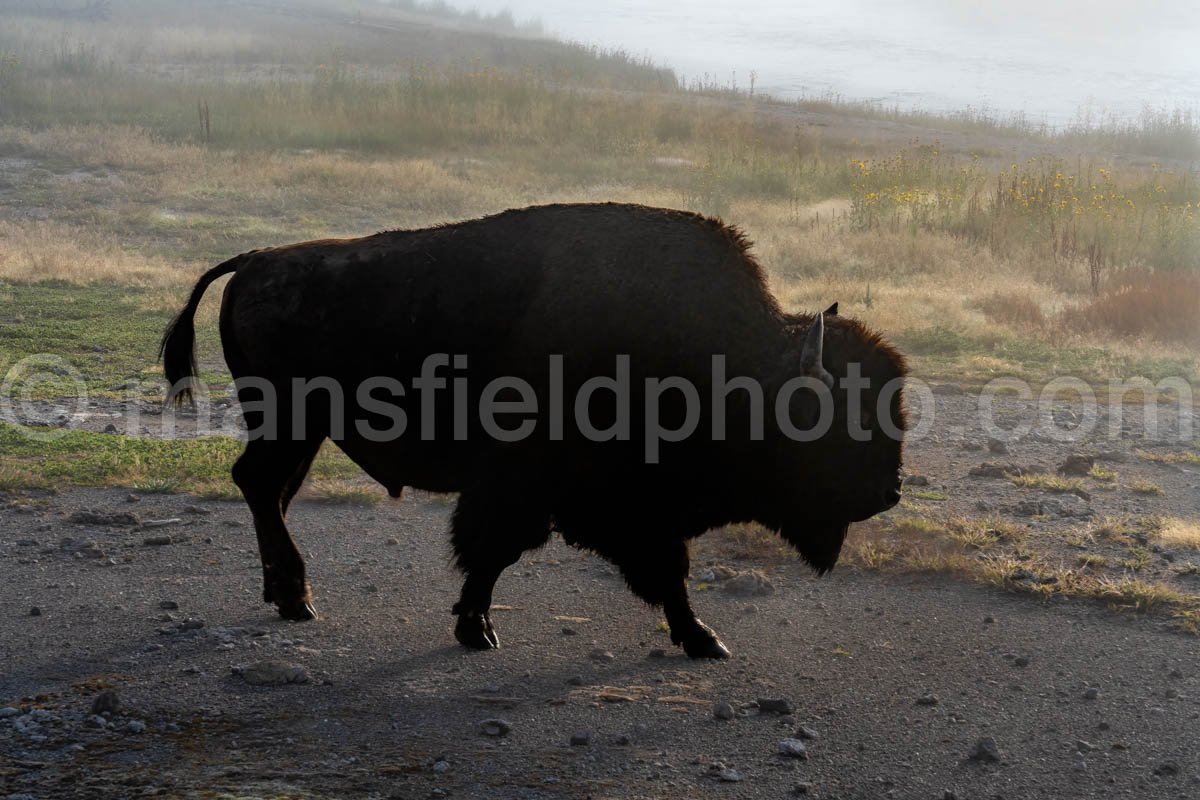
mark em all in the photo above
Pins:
pixel 586 282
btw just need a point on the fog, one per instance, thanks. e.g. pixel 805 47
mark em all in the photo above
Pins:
pixel 1051 60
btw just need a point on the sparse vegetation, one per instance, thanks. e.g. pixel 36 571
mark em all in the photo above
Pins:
pixel 1140 486
pixel 1049 483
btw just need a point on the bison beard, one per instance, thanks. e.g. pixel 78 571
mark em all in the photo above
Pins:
pixel 586 283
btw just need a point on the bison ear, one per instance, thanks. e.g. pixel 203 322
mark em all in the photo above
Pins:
pixel 831 311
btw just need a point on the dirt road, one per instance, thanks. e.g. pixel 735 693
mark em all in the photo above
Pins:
pixel 896 679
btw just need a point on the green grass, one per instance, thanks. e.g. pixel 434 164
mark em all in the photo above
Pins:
pixel 80 458
pixel 100 335
pixel 927 494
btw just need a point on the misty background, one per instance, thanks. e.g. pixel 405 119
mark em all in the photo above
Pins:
pixel 1054 61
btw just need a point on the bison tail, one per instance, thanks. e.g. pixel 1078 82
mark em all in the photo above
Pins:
pixel 177 350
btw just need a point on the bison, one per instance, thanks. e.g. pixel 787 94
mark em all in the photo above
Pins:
pixel 698 402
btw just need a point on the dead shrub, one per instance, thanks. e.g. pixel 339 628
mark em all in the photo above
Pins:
pixel 1012 308
pixel 1161 305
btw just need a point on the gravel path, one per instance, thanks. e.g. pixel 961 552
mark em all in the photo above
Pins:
pixel 893 683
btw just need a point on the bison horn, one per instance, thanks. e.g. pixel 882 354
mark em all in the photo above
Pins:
pixel 810 354
pixel 832 310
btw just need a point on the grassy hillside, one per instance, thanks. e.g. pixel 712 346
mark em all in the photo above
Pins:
pixel 136 149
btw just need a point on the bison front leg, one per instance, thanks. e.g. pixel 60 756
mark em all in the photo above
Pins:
pixel 489 532
pixel 657 572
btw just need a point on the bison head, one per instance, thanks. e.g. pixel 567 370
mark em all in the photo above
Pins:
pixel 841 438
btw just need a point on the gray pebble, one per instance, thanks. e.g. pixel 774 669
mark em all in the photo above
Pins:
pixel 774 705
pixel 495 727
pixel 35 612
pixel 731 776
pixel 985 750
pixel 723 711
pixel 793 748
pixel 1091 693
pixel 135 726
pixel 106 701
pixel 581 738
pixel 441 766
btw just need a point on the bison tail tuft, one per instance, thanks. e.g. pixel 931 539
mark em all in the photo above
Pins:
pixel 177 349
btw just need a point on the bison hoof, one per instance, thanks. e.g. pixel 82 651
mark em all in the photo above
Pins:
pixel 300 611
pixel 706 648
pixel 702 643
pixel 476 632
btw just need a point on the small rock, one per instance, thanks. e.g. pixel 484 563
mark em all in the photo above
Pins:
pixel 600 654
pixel 1077 465
pixel 568 631
pixel 803 787
pixel 495 727
pixel 135 726
pixel 916 480
pixel 106 701
pixel 769 705
pixel 805 732
pixel 581 738
pixel 272 673
pixel 1091 693
pixel 1084 746
pixel 35 612
pixel 1167 769
pixel 1021 661
pixel 949 795
pixel 722 711
pixel 441 766
pixel 793 748
pixel 161 523
pixel 985 750
pixel 927 700
pixel 157 541
pixel 168 605
pixel 658 652
pixel 997 446
pixel 575 680
pixel 9 711
pixel 731 776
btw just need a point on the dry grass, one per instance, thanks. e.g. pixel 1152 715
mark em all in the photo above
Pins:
pixel 342 492
pixel 1049 483
pixel 53 251
pixel 1141 486
pixel 1161 305
pixel 1179 533
pixel 976 268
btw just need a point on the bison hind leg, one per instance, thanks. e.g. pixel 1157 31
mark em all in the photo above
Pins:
pixel 489 532
pixel 269 473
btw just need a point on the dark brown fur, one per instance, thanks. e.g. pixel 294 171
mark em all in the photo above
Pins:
pixel 669 288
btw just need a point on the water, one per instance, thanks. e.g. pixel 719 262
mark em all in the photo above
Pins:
pixel 1048 59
